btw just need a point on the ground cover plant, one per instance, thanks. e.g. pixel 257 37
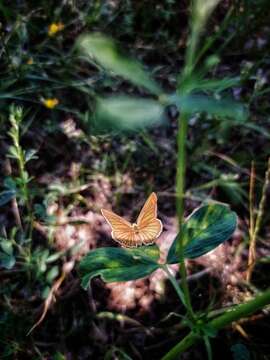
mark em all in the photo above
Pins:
pixel 102 104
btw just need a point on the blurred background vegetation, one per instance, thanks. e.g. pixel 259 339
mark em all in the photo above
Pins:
pixel 57 171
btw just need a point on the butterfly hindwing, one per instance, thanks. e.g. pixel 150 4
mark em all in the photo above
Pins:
pixel 150 233
pixel 122 230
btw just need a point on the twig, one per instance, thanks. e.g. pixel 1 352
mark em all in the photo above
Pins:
pixel 14 204
pixel 66 269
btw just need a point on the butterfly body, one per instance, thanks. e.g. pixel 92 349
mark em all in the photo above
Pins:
pixel 144 232
pixel 135 228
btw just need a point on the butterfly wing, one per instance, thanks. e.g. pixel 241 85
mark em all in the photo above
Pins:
pixel 122 230
pixel 149 226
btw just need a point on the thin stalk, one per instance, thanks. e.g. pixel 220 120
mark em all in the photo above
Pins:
pixel 251 254
pixel 16 116
pixel 25 189
pixel 14 203
pixel 180 195
pixel 21 163
pixel 210 41
pixel 251 199
pixel 240 311
pixel 181 159
pixel 208 347
pixel 258 222
pixel 200 13
pixel 174 283
pixel 181 166
pixel 201 10
pixel 190 57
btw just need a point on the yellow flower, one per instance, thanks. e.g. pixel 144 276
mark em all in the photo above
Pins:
pixel 50 103
pixel 54 28
pixel 30 61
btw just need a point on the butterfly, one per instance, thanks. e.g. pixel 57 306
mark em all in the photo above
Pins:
pixel 144 232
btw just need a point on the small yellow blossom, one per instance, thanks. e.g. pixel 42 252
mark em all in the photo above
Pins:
pixel 30 61
pixel 50 103
pixel 54 28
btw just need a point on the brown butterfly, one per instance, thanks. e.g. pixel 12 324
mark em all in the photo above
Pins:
pixel 146 229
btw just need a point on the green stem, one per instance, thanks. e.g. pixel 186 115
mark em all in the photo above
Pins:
pixel 16 116
pixel 174 282
pixel 238 312
pixel 208 347
pixel 25 189
pixel 190 55
pixel 181 166
pixel 180 195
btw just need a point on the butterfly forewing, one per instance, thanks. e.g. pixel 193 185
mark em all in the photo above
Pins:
pixel 149 226
pixel 148 212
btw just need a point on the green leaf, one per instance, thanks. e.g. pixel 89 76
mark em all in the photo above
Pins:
pixel 52 273
pixel 119 264
pixel 106 53
pixel 126 113
pixel 13 152
pixel 10 184
pixel 210 331
pixel 216 85
pixel 30 155
pixel 59 356
pixel 7 261
pixel 205 229
pixel 6 196
pixel 223 108
pixel 6 246
pixel 198 83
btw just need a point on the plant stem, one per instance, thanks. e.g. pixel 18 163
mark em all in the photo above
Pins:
pixel 200 13
pixel 208 347
pixel 251 253
pixel 180 195
pixel 181 166
pixel 174 282
pixel 240 311
pixel 16 116
pixel 251 199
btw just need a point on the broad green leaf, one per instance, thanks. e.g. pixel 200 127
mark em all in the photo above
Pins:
pixel 106 53
pixel 126 113
pixel 119 264
pixel 6 196
pixel 205 229
pixel 223 108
